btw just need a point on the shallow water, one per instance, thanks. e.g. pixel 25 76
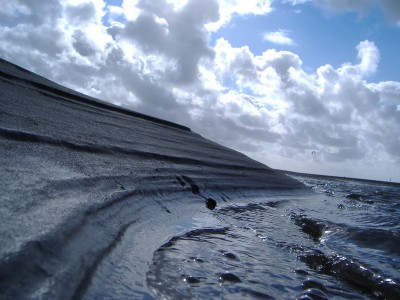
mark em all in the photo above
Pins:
pixel 343 243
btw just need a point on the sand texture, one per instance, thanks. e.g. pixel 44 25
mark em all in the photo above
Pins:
pixel 83 181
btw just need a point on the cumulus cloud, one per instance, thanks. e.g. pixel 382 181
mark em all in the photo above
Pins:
pixel 280 37
pixel 231 8
pixel 156 57
pixel 369 56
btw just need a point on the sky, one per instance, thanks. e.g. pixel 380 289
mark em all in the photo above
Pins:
pixel 310 86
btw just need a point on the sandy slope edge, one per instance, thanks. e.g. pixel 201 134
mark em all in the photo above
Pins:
pixel 80 178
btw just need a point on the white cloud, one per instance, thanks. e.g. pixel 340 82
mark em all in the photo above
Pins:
pixel 279 37
pixel 129 9
pixel 231 8
pixel 155 57
pixel 332 111
pixel 369 57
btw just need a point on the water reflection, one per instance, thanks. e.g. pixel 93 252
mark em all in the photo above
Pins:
pixel 325 247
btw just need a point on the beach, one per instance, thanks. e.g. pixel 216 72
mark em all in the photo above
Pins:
pixel 83 180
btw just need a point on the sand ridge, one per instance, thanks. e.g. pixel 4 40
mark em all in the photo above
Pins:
pixel 78 174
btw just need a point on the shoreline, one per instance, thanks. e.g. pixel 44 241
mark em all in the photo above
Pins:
pixel 339 177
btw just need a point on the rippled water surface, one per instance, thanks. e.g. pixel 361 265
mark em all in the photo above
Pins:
pixel 344 243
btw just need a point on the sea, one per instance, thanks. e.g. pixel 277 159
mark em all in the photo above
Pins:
pixel 342 243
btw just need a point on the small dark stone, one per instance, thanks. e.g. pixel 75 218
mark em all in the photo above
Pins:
pixel 211 203
pixel 341 206
pixel 229 277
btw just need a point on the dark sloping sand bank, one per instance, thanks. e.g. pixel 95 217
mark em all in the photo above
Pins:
pixel 78 176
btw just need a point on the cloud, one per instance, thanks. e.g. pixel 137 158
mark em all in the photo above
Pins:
pixel 369 57
pixel 231 8
pixel 392 10
pixel 279 37
pixel 155 57
pixel 334 112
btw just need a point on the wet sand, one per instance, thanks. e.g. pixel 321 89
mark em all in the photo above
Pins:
pixel 79 177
